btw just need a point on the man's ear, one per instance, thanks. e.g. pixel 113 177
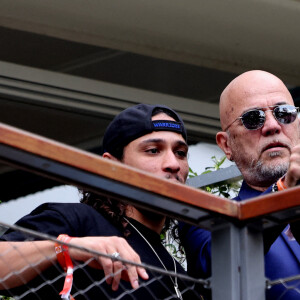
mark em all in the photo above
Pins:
pixel 222 141
pixel 109 156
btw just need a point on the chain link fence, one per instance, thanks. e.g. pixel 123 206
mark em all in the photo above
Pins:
pixel 284 288
pixel 88 282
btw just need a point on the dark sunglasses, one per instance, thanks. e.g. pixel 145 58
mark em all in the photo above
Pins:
pixel 255 118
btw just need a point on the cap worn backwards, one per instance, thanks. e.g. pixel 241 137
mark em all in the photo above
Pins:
pixel 136 121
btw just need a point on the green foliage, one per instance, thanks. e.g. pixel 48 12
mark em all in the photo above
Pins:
pixel 222 189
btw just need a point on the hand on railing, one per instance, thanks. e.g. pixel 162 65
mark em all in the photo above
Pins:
pixel 113 246
pixel 38 253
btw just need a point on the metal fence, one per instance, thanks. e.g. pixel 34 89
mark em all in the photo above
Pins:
pixel 89 283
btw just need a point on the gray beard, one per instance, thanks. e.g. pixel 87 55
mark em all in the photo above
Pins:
pixel 260 174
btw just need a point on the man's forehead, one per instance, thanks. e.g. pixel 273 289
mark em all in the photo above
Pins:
pixel 163 117
pixel 162 137
pixel 258 99
pixel 263 104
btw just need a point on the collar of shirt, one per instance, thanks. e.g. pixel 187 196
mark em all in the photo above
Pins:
pixel 246 192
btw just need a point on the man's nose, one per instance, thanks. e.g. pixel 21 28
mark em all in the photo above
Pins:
pixel 271 125
pixel 170 162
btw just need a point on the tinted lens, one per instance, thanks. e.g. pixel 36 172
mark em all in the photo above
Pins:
pixel 285 114
pixel 253 119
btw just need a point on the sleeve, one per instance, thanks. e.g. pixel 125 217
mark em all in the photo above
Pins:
pixel 47 218
pixel 197 244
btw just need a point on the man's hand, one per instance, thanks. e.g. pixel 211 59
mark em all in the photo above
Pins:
pixel 293 174
pixel 114 270
pixel 292 178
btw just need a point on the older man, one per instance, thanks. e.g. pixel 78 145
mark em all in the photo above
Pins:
pixel 261 134
pixel 148 137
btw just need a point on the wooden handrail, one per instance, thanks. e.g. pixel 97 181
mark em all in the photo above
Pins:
pixel 94 164
pixel 270 203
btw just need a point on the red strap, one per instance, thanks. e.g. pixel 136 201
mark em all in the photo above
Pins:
pixel 280 184
pixel 64 259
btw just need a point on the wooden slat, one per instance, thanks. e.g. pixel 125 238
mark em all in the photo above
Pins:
pixel 268 204
pixel 58 152
pixel 71 156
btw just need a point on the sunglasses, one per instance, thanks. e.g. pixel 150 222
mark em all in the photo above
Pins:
pixel 255 118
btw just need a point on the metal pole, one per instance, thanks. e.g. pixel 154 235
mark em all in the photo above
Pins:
pixel 237 263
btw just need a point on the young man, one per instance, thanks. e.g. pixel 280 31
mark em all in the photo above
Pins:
pixel 261 134
pixel 148 137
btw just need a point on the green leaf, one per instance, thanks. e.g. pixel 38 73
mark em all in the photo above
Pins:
pixel 206 172
pixel 192 173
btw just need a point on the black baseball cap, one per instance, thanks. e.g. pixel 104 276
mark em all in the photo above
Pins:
pixel 136 121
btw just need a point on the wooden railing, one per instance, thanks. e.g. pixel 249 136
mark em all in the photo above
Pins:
pixel 91 172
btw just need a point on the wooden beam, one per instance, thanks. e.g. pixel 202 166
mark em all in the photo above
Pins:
pixel 270 204
pixel 94 164
pixel 188 203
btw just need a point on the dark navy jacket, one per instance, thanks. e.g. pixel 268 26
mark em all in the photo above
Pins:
pixel 281 261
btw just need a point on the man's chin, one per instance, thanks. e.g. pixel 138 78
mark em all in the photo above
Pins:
pixel 271 169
